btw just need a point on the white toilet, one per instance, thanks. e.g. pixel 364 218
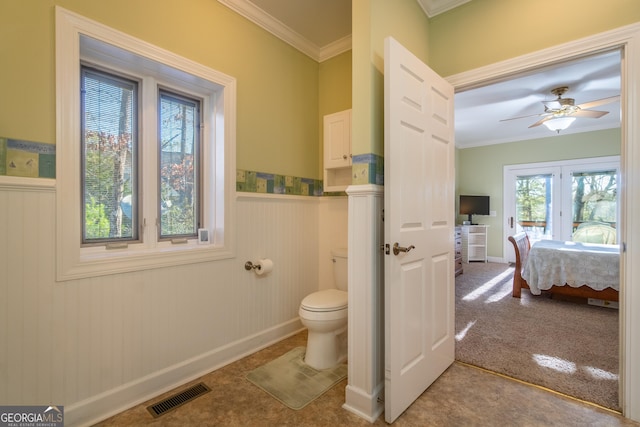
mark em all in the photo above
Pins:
pixel 324 313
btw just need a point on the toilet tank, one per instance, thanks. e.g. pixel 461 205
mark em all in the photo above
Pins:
pixel 340 268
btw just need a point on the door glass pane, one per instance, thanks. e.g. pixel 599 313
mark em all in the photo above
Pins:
pixel 533 206
pixel 594 206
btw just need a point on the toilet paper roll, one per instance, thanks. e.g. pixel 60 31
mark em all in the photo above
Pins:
pixel 266 265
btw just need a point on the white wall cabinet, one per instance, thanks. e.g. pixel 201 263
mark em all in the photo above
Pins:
pixel 337 151
pixel 474 243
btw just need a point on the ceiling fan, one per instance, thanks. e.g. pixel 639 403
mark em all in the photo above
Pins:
pixel 561 112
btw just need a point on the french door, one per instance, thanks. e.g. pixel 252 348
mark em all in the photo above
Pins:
pixel 552 200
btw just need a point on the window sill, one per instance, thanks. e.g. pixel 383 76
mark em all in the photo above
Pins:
pixel 91 262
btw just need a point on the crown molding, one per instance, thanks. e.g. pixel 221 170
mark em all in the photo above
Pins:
pixel 259 17
pixel 436 7
pixel 335 48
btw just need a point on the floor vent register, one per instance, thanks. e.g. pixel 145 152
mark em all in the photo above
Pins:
pixel 178 399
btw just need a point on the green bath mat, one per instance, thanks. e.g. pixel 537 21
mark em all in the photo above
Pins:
pixel 294 383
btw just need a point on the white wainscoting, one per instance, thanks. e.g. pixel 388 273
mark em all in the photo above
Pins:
pixel 364 395
pixel 100 345
pixel 333 219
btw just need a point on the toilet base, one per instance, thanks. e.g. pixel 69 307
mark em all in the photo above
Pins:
pixel 326 349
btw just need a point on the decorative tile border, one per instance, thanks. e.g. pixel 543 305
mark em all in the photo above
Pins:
pixel 366 169
pixel 27 158
pixel 38 160
pixel 268 183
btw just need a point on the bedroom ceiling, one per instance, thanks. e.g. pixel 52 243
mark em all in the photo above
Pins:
pixel 478 112
pixel 322 29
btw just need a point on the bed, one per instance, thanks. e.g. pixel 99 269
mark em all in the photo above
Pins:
pixel 584 270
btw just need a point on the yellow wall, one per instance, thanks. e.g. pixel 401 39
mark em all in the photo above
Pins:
pixel 282 93
pixel 483 32
pixel 27 79
pixel 334 91
pixel 362 69
pixel 335 84
pixel 480 169
pixel 373 21
pixel 278 96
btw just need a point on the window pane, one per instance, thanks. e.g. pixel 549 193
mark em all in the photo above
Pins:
pixel 179 165
pixel 533 205
pixel 109 123
pixel 594 197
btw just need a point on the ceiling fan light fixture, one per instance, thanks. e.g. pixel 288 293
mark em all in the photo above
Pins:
pixel 559 123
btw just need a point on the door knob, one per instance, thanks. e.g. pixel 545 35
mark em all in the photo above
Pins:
pixel 397 248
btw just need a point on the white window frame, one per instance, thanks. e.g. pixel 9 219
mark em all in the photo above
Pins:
pixel 562 193
pixel 81 39
pixel 598 164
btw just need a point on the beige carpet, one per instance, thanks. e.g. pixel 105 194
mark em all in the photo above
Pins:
pixel 568 347
pixel 294 383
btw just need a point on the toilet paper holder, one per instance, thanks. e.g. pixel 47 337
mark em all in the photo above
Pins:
pixel 251 266
pixel 261 267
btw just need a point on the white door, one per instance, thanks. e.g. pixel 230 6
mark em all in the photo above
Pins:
pixel 419 217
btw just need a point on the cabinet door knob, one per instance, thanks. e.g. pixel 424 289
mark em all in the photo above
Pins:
pixel 344 156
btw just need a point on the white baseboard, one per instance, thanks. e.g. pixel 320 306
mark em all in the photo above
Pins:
pixel 100 407
pixel 364 405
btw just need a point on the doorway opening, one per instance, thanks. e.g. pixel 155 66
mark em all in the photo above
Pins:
pixel 548 222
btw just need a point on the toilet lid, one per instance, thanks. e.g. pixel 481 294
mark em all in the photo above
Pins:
pixel 327 300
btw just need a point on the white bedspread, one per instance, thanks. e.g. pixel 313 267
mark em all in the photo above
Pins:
pixel 553 262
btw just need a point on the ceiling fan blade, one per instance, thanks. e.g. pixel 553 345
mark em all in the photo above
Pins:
pixel 592 114
pixel 541 121
pixel 524 117
pixel 599 102
pixel 552 105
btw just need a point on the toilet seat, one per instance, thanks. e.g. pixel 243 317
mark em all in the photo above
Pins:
pixel 325 301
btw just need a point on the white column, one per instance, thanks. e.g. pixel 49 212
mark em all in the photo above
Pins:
pixel 365 389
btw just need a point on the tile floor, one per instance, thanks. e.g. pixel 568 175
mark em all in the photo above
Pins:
pixel 463 396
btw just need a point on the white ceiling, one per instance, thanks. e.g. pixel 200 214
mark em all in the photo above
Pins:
pixel 478 112
pixel 322 29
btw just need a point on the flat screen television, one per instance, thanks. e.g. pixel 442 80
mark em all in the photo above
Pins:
pixel 474 205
